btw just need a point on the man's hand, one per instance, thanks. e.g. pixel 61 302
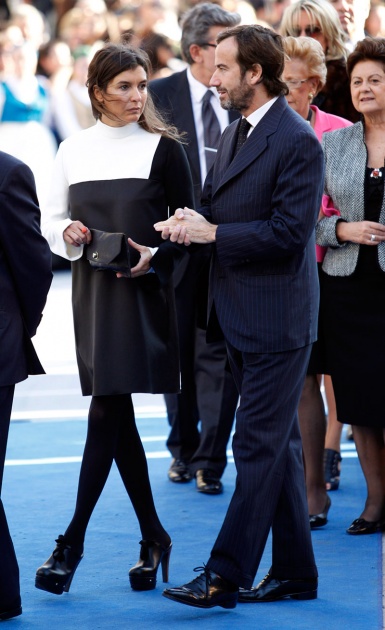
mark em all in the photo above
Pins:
pixel 187 226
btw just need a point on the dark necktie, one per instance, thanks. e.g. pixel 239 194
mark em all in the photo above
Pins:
pixel 243 130
pixel 211 129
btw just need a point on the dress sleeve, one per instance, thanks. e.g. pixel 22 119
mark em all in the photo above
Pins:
pixel 178 180
pixel 179 193
pixel 55 212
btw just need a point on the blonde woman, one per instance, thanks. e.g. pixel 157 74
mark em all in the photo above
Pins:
pixel 317 19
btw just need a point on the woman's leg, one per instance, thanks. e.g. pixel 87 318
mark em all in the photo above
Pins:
pixel 334 428
pixel 371 452
pixel 99 450
pixel 332 456
pixel 312 423
pixel 131 461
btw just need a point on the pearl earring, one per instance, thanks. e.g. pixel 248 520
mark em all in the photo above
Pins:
pixel 311 96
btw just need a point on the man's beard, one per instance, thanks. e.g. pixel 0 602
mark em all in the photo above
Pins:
pixel 239 98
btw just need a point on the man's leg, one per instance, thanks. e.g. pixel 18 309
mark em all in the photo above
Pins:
pixel 270 486
pixel 9 570
pixel 217 401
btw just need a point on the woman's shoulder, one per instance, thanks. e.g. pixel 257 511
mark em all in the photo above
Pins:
pixel 344 134
pixel 78 138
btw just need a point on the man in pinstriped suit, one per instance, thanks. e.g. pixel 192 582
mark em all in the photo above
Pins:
pixel 260 209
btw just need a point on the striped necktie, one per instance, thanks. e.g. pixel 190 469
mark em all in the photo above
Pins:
pixel 211 129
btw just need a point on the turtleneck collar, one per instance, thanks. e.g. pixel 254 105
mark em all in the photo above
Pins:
pixel 117 132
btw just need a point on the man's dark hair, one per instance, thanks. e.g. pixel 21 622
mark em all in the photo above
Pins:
pixel 259 45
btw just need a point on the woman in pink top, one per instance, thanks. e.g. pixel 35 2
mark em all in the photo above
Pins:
pixel 305 75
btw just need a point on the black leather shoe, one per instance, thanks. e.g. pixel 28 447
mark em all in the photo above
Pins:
pixel 319 520
pixel 55 575
pixel 208 482
pixel 360 526
pixel 12 610
pixel 272 590
pixel 143 574
pixel 206 591
pixel 179 472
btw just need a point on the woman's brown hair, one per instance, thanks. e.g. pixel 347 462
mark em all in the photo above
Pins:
pixel 106 64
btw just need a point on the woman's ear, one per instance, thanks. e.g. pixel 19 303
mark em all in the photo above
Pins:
pixel 98 94
pixel 313 83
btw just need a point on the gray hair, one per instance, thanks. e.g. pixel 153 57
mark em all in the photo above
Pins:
pixel 197 22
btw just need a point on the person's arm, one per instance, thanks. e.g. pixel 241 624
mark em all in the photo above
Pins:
pixel 65 237
pixel 289 223
pixel 26 251
pixel 179 192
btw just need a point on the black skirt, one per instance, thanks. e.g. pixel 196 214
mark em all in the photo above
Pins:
pixel 353 321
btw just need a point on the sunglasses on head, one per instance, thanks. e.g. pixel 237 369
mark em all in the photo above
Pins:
pixel 309 31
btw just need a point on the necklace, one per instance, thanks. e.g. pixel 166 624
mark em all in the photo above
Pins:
pixel 376 173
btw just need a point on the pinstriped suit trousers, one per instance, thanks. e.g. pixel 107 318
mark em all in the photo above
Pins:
pixel 270 486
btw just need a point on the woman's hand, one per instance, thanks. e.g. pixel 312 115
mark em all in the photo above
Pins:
pixel 143 265
pixel 362 232
pixel 77 234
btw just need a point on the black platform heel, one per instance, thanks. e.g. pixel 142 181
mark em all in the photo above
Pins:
pixel 55 575
pixel 143 574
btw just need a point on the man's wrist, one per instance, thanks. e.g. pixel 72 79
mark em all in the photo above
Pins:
pixel 214 233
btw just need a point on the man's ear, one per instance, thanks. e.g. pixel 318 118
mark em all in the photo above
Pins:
pixel 196 53
pixel 255 74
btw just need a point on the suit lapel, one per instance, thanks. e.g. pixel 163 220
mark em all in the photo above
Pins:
pixel 251 150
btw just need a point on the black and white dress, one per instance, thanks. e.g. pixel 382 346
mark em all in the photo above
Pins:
pixel 121 179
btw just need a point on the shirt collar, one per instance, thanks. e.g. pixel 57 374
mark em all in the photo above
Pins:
pixel 198 89
pixel 255 117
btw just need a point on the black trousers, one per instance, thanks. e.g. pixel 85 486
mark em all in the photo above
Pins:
pixel 208 393
pixel 9 569
pixel 270 486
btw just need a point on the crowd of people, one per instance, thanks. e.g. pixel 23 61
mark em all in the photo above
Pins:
pixel 250 305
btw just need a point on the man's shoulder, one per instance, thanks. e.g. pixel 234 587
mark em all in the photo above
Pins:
pixel 173 82
pixel 8 163
pixel 7 160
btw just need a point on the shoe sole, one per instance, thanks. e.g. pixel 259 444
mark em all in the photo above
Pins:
pixel 56 588
pixel 142 583
pixel 9 614
pixel 227 604
pixel 299 596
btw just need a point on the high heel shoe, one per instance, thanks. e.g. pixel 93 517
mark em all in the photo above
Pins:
pixel 319 520
pixel 55 575
pixel 332 468
pixel 143 574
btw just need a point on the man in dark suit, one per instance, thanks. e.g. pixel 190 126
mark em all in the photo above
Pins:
pixel 260 208
pixel 208 392
pixel 25 278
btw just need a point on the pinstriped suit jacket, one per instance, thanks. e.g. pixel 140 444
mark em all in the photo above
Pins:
pixel 263 279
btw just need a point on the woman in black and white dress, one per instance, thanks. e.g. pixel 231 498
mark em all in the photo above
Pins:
pixel 122 175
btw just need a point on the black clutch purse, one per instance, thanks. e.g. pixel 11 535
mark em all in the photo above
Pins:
pixel 109 251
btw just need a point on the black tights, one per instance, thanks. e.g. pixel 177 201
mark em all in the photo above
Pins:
pixel 112 435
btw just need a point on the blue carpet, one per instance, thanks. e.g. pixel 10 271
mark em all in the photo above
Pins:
pixel 39 499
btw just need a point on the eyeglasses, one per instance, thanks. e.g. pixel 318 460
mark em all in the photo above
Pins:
pixel 310 31
pixel 208 44
pixel 295 83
